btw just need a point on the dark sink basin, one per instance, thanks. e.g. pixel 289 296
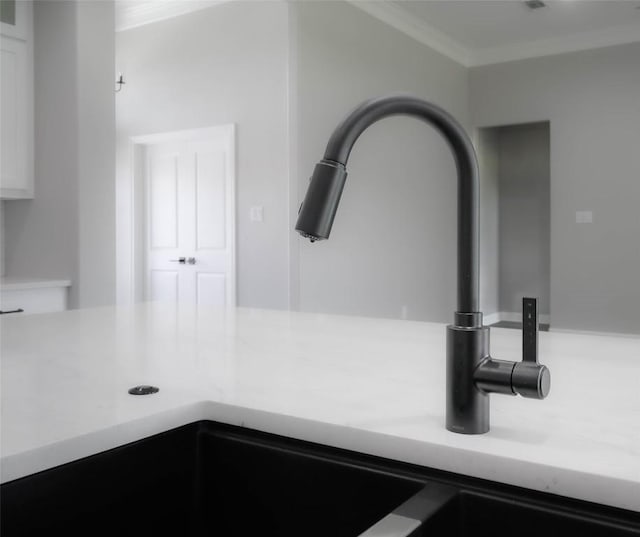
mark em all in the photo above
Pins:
pixel 249 487
pixel 483 515
pixel 217 480
pixel 205 479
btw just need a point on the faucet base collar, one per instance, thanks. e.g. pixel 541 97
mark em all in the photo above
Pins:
pixel 467 406
pixel 467 320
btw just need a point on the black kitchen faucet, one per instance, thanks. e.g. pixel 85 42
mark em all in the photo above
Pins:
pixel 471 372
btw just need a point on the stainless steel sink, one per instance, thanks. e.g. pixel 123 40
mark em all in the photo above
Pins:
pixel 212 479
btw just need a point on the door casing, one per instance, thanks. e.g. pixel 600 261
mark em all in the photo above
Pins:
pixel 139 196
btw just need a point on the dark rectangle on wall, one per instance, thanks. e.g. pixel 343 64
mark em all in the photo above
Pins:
pixel 8 12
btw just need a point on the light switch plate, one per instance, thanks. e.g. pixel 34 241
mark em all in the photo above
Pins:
pixel 256 214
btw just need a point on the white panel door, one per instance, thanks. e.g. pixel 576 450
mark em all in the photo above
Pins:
pixel 190 216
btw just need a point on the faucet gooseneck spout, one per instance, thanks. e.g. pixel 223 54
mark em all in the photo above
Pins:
pixel 471 373
pixel 320 205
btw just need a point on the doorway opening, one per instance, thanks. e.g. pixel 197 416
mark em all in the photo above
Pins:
pixel 184 224
pixel 516 195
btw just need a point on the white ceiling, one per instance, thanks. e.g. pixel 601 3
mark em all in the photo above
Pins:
pixel 133 13
pixel 472 32
pixel 491 23
pixel 477 32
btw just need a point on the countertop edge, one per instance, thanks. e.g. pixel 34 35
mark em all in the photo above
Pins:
pixel 583 486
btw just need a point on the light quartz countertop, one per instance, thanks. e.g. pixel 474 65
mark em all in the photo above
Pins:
pixel 369 385
pixel 8 283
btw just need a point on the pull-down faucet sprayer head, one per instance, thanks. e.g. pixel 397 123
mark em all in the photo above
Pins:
pixel 321 202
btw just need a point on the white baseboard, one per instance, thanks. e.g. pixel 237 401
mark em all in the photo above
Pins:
pixel 511 316
pixel 593 333
pixel 491 318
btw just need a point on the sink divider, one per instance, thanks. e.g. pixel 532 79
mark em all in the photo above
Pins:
pixel 409 517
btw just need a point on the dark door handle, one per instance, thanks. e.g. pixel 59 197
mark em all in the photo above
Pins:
pixel 19 310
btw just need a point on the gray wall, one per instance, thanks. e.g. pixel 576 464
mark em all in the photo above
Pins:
pixel 66 231
pixel 393 243
pixel 2 232
pixel 591 99
pixel 226 64
pixel 524 221
pixel 96 153
pixel 487 147
pixel 41 234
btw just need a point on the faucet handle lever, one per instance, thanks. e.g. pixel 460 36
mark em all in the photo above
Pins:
pixel 530 330
pixel 529 378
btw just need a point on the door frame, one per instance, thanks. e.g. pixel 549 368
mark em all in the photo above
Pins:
pixel 138 145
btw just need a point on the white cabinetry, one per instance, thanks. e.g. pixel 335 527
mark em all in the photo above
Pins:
pixel 25 296
pixel 16 104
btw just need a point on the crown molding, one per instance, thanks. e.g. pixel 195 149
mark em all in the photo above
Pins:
pixel 616 35
pixel 419 30
pixel 134 13
pixel 401 20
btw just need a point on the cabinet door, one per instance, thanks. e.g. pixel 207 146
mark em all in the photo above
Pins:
pixel 39 300
pixel 16 19
pixel 16 109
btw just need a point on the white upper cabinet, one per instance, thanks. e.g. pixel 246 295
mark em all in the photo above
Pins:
pixel 16 100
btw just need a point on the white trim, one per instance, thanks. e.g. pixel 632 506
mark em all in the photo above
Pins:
pixel 185 135
pixel 516 317
pixel 428 35
pixel 616 35
pixel 593 333
pixel 491 318
pixel 421 31
pixel 510 316
pixel 133 13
